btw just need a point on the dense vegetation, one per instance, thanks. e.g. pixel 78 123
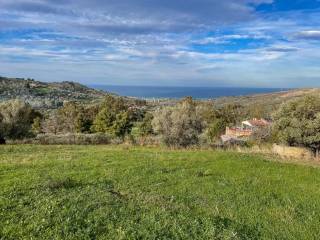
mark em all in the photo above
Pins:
pixel 182 123
pixel 99 192
pixel 186 123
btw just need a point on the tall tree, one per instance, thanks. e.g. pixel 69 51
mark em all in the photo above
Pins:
pixel 297 123
pixel 122 124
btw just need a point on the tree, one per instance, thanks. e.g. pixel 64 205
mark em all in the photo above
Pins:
pixel 180 125
pixel 231 114
pixel 117 125
pixel 216 129
pixel 217 119
pixel 145 127
pixel 115 117
pixel 82 123
pixel 104 121
pixel 114 104
pixel 36 126
pixel 16 119
pixel 122 125
pixel 85 118
pixel 51 123
pixel 297 123
pixel 67 117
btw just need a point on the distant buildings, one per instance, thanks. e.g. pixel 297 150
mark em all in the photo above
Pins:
pixel 247 128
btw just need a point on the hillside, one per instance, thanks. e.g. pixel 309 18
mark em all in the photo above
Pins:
pixel 268 102
pixel 52 95
pixel 46 95
pixel 268 98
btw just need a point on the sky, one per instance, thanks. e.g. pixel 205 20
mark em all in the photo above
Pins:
pixel 222 43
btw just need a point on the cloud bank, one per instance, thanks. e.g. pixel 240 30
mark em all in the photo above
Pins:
pixel 168 42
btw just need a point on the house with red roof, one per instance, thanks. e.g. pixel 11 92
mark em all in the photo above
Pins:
pixel 247 128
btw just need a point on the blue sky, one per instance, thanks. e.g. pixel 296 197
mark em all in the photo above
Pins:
pixel 239 43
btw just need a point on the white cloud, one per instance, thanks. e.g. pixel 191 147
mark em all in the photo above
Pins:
pixel 152 42
pixel 310 34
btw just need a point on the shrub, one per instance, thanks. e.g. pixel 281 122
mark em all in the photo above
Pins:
pixel 179 126
pixel 77 139
pixel 262 135
pixel 145 127
pixel 151 140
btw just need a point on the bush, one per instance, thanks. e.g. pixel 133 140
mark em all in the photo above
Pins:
pixel 73 139
pixel 151 140
pixel 262 135
pixel 145 127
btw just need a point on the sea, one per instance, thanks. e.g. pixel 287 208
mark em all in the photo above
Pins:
pixel 149 92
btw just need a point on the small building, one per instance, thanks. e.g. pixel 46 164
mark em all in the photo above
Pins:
pixel 238 132
pixel 254 124
pixel 248 127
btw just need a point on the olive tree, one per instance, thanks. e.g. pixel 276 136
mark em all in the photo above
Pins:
pixel 16 119
pixel 180 125
pixel 297 123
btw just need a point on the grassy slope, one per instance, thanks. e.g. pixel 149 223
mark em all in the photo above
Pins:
pixel 88 192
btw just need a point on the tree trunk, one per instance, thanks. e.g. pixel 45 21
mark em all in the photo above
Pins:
pixel 2 141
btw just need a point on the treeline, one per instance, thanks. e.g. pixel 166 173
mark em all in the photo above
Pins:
pixel 187 123
pixel 114 116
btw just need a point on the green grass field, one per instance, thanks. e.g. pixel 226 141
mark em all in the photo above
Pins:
pixel 105 192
